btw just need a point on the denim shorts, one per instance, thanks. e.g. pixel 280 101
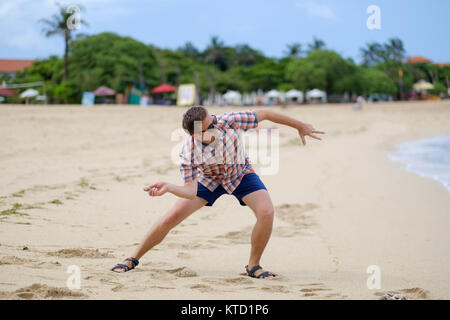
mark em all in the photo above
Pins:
pixel 249 183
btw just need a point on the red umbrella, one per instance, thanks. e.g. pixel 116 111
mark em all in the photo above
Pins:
pixel 164 88
pixel 104 91
pixel 5 92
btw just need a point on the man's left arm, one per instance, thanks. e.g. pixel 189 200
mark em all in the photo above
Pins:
pixel 303 129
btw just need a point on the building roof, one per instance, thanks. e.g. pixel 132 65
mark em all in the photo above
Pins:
pixel 418 59
pixel 442 64
pixel 7 65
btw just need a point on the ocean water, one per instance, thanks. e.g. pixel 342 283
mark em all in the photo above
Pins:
pixel 427 158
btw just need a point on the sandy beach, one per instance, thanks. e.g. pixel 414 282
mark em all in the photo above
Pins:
pixel 71 194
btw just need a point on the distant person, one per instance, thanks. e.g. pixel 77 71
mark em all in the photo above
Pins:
pixel 207 176
pixel 359 103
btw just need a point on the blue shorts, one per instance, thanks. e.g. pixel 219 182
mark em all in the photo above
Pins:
pixel 249 183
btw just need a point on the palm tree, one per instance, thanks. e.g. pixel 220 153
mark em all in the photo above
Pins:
pixel 317 44
pixel 395 50
pixel 294 50
pixel 57 25
pixel 245 55
pixel 372 54
pixel 215 53
pixel 189 50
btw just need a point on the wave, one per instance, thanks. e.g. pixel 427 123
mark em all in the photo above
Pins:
pixel 426 157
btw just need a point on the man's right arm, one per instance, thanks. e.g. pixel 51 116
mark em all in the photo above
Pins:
pixel 188 191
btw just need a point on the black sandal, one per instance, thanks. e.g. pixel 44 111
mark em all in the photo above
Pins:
pixel 124 267
pixel 251 273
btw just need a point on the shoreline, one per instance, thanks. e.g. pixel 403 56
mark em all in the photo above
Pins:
pixel 410 166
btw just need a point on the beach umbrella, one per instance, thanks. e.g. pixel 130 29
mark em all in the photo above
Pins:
pixel 292 94
pixel 163 88
pixel 232 97
pixel 30 93
pixel 422 85
pixel 273 94
pixel 5 92
pixel 316 94
pixel 104 91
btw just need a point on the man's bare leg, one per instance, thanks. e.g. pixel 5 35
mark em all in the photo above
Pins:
pixel 261 204
pixel 180 211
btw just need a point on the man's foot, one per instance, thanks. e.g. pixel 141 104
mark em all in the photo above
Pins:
pixel 258 272
pixel 127 265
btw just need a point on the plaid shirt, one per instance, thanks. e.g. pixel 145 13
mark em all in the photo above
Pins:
pixel 223 162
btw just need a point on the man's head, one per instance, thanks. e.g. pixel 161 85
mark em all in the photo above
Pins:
pixel 197 121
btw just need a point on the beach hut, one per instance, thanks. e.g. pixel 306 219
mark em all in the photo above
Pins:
pixel 232 98
pixel 104 91
pixel 295 96
pixel 315 96
pixel 161 92
pixel 274 97
pixel 5 92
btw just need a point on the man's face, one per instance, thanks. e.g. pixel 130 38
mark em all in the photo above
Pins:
pixel 207 130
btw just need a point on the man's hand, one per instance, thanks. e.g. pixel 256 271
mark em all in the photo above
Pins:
pixel 305 129
pixel 157 189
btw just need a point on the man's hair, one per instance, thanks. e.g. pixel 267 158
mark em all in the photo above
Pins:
pixel 192 115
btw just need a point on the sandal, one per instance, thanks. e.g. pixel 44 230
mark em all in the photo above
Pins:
pixel 251 273
pixel 124 267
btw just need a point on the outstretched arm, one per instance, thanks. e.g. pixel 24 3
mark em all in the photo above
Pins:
pixel 303 129
pixel 188 191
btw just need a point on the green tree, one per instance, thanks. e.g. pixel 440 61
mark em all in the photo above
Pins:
pixel 294 50
pixel 305 75
pixel 111 60
pixel 215 54
pixel 321 69
pixel 316 45
pixel 57 25
pixel 376 81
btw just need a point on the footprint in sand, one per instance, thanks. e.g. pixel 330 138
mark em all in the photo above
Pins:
pixel 318 291
pixel 276 289
pixel 183 255
pixel 404 294
pixel 202 288
pixel 182 272
pixel 80 253
pixel 42 291
pixel 189 246
pixel 229 281
pixel 235 237
pixel 13 260
pixel 298 215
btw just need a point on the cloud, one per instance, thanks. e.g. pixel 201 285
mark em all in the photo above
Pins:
pixel 315 9
pixel 21 20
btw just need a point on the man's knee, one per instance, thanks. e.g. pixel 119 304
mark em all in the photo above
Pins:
pixel 266 214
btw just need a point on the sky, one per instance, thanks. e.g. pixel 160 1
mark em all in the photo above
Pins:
pixel 267 25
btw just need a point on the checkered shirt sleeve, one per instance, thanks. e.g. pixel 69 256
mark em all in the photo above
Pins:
pixel 242 120
pixel 188 168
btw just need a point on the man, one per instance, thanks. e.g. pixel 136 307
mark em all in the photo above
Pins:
pixel 213 163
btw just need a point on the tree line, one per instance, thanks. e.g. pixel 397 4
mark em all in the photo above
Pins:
pixel 115 61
